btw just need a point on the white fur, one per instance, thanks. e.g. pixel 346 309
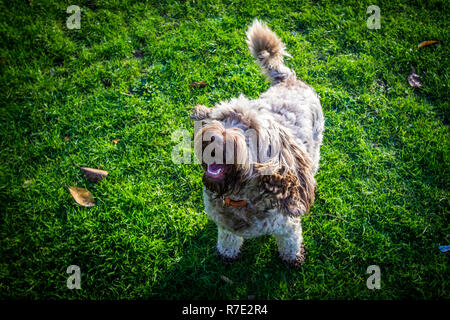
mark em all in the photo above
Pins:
pixel 287 230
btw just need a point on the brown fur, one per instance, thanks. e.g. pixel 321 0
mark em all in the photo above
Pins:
pixel 269 50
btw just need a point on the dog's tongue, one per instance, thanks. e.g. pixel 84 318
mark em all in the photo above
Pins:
pixel 215 170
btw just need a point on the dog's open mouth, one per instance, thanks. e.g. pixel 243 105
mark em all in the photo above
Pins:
pixel 215 170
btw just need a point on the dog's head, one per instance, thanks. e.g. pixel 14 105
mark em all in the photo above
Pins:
pixel 236 143
pixel 221 145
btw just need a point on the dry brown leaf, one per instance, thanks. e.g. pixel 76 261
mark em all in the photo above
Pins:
pixel 139 54
pixel 414 79
pixel 27 183
pixel 116 141
pixel 95 175
pixel 199 84
pixel 82 196
pixel 226 279
pixel 427 43
pixel 66 139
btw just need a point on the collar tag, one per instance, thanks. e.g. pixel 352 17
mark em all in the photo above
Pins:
pixel 235 203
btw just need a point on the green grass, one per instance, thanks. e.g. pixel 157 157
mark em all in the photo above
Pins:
pixel 382 194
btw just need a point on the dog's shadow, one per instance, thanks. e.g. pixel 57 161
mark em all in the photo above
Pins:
pixel 201 274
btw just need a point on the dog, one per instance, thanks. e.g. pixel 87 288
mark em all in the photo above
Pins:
pixel 260 156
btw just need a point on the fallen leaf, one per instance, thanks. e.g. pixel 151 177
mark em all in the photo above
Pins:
pixel 116 141
pixel 199 84
pixel 94 175
pixel 82 196
pixel 226 279
pixel 414 79
pixel 139 54
pixel 107 82
pixel 27 183
pixel 66 139
pixel 427 43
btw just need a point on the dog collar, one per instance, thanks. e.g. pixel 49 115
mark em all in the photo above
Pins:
pixel 234 203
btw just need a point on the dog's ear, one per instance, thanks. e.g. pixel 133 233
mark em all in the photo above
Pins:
pixel 305 183
pixel 200 112
pixel 295 194
pixel 294 184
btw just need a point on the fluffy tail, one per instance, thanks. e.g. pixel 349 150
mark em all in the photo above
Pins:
pixel 269 50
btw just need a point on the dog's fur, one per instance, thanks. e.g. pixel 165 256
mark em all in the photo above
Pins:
pixel 278 189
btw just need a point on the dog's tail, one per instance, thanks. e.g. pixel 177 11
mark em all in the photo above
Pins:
pixel 269 50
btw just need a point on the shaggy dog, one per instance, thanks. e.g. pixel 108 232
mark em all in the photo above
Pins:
pixel 260 156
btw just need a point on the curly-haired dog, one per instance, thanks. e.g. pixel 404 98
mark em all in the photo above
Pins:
pixel 260 156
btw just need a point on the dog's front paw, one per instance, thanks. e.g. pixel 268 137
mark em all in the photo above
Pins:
pixel 297 261
pixel 228 245
pixel 226 258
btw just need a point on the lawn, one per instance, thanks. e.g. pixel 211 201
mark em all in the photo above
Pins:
pixel 66 94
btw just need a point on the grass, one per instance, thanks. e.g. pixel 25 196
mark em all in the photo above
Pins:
pixel 382 195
